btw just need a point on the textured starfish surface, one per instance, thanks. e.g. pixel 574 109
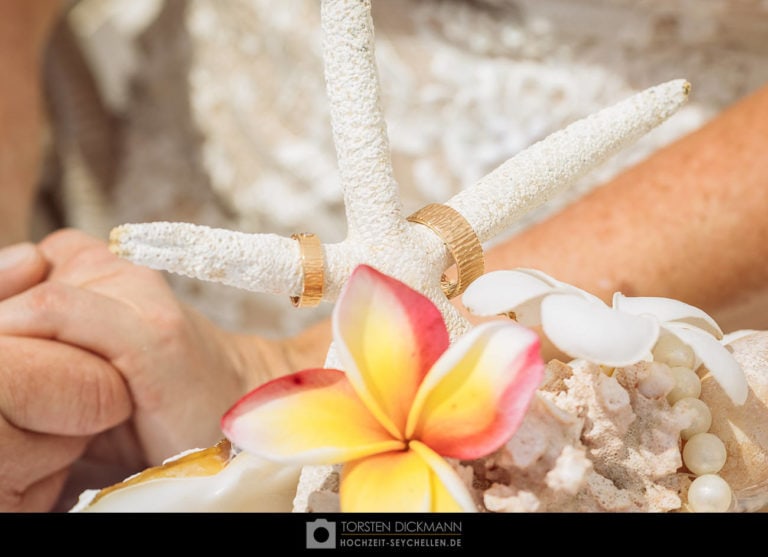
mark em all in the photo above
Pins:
pixel 378 233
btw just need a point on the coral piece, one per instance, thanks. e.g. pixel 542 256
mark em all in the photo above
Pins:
pixel 591 443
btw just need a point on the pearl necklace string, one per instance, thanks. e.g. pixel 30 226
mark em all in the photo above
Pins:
pixel 704 454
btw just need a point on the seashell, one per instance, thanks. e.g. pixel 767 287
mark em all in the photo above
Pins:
pixel 744 428
pixel 202 480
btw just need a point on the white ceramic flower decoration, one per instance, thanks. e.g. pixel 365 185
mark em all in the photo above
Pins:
pixel 584 327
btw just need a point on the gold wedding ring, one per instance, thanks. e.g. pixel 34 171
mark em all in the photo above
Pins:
pixel 311 253
pixel 460 239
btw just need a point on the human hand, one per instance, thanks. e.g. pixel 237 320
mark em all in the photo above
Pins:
pixel 72 343
pixel 53 398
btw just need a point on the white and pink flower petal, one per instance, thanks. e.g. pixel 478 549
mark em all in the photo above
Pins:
pixel 388 336
pixel 449 492
pixel 476 395
pixel 414 480
pixel 397 481
pixel 309 417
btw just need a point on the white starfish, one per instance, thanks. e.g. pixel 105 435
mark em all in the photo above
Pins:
pixel 378 233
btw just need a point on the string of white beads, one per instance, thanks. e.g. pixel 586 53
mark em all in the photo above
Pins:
pixel 704 454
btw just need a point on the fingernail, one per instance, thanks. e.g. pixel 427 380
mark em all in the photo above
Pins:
pixel 15 255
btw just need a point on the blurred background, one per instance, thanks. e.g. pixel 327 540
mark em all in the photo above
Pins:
pixel 214 112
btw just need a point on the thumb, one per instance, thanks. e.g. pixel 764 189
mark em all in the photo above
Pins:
pixel 21 267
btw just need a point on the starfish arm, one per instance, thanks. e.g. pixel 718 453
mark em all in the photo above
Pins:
pixel 371 194
pixel 256 262
pixel 268 263
pixel 546 168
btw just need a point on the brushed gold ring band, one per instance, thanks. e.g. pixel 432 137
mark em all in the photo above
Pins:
pixel 311 253
pixel 460 240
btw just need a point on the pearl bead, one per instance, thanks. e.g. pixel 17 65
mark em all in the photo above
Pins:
pixel 709 494
pixel 687 384
pixel 704 453
pixel 701 417
pixel 671 351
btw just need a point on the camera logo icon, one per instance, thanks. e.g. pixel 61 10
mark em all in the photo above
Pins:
pixel 321 534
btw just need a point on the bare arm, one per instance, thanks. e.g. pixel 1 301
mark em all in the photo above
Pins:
pixel 690 222
pixel 24 29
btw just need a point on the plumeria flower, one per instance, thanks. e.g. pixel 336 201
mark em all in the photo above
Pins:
pixel 578 323
pixel 404 401
pixel 583 326
pixel 696 329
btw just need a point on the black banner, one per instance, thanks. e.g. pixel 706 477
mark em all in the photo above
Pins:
pixel 327 534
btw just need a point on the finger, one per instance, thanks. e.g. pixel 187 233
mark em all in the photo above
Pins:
pixel 31 466
pixel 21 267
pixel 62 245
pixel 55 310
pixel 54 388
pixel 79 259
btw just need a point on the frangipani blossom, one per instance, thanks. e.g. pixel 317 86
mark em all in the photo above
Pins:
pixel 405 400
pixel 699 331
pixel 578 323
pixel 583 326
